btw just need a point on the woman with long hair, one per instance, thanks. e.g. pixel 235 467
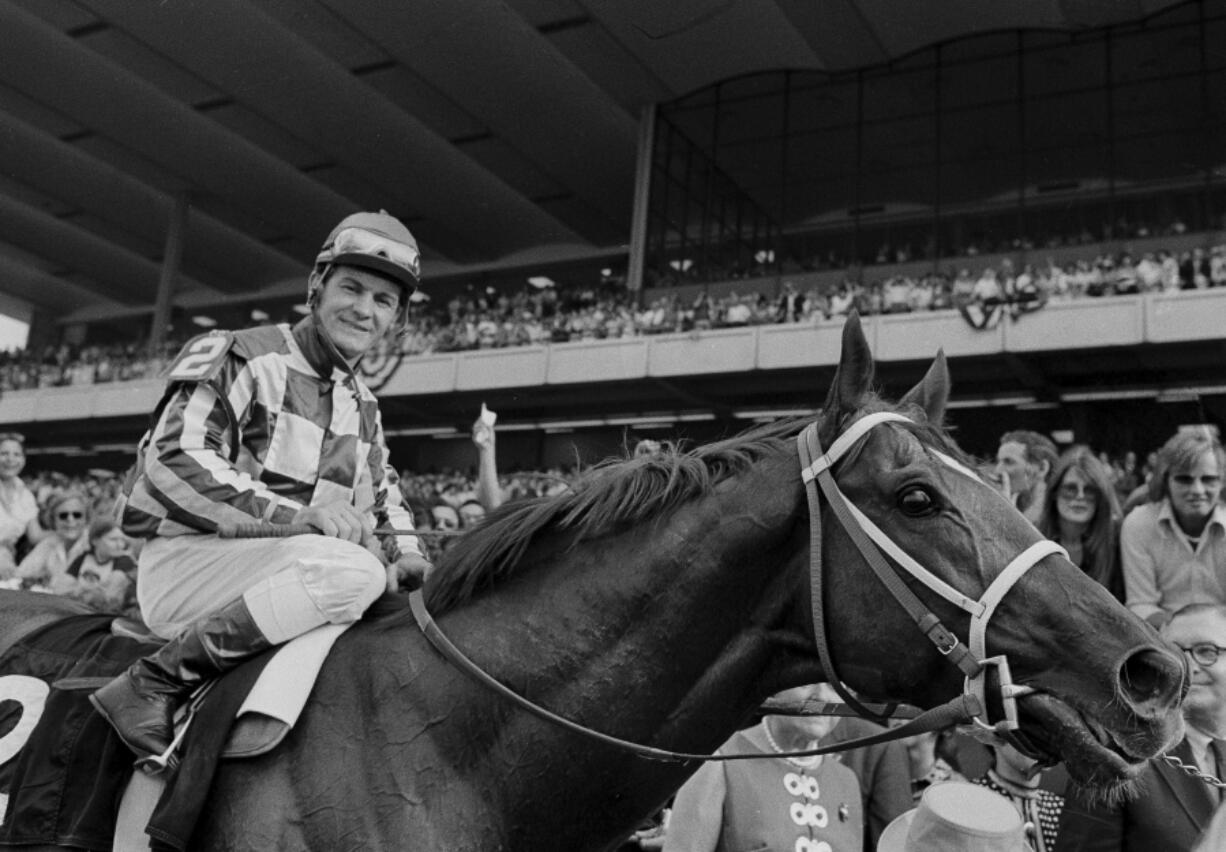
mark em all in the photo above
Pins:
pixel 1082 514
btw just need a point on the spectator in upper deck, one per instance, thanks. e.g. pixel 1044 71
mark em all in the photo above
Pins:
pixel 1149 273
pixel 963 287
pixel 988 290
pixel 841 300
pixel 897 294
pixel 791 304
pixel 1173 548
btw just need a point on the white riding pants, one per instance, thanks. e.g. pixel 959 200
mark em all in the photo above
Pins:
pixel 291 585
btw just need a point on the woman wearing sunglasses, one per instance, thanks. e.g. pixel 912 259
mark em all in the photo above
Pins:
pixel 1082 514
pixel 46 566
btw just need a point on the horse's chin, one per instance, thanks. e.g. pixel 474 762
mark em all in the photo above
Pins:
pixel 1102 766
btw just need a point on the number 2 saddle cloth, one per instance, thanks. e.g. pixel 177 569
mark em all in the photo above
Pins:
pixel 62 768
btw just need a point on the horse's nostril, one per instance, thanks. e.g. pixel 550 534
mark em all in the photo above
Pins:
pixel 1153 677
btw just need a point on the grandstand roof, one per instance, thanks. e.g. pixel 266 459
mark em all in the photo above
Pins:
pixel 502 131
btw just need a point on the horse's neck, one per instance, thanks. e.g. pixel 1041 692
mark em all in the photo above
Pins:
pixel 656 636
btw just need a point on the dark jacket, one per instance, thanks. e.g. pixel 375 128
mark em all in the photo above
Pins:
pixel 883 771
pixel 1169 814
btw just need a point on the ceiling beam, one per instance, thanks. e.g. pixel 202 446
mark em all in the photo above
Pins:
pixel 41 289
pixel 227 174
pixel 124 275
pixel 523 89
pixel 238 48
pixel 217 254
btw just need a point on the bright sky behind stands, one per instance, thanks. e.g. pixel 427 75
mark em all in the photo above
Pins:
pixel 13 333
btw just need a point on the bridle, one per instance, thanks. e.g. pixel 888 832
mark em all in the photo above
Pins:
pixel 872 542
pixel 971 658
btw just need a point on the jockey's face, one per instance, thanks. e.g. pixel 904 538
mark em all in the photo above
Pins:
pixel 356 308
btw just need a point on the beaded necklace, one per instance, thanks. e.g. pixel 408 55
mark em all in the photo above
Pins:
pixel 803 762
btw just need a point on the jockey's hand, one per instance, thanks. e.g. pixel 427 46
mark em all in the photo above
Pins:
pixel 408 572
pixel 339 520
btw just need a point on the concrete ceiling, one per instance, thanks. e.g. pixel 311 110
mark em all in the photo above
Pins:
pixel 502 131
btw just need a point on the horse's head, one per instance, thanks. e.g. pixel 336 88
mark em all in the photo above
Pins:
pixel 1098 689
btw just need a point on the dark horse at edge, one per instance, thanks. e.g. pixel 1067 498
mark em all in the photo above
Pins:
pixel 660 601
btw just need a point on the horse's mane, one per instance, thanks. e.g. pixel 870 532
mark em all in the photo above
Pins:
pixel 616 494
pixel 609 496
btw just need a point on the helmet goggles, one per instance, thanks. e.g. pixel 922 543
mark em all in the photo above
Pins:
pixel 396 259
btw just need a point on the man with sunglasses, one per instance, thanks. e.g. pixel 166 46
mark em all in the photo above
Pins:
pixel 268 424
pixel 1172 809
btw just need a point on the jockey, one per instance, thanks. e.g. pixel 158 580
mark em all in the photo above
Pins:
pixel 268 424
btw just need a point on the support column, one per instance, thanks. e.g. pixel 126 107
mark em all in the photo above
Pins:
pixel 171 259
pixel 642 192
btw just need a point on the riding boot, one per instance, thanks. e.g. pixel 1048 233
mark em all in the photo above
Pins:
pixel 140 703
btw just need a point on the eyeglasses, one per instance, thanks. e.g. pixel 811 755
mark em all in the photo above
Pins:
pixel 1204 653
pixel 1071 491
pixel 67 516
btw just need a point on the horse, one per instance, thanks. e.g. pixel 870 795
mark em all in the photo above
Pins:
pixel 660 601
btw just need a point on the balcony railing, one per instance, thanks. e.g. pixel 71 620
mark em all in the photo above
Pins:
pixel 1080 324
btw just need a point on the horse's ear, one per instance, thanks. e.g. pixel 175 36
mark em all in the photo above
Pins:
pixel 853 375
pixel 932 393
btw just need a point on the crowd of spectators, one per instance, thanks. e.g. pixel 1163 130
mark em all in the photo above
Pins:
pixel 454 500
pixel 810 258
pixel 488 319
pixel 60 365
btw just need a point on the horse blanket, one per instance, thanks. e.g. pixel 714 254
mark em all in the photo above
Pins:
pixel 63 769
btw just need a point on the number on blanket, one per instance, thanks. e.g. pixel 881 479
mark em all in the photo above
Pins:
pixel 31 694
pixel 199 357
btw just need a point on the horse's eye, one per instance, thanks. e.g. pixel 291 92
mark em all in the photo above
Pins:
pixel 916 501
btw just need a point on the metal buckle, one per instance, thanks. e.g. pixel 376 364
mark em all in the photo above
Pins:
pixel 1009 693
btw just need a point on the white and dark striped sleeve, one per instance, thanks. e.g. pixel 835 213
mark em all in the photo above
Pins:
pixel 187 465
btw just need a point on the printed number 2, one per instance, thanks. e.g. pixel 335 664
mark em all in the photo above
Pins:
pixel 199 357
pixel 31 694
